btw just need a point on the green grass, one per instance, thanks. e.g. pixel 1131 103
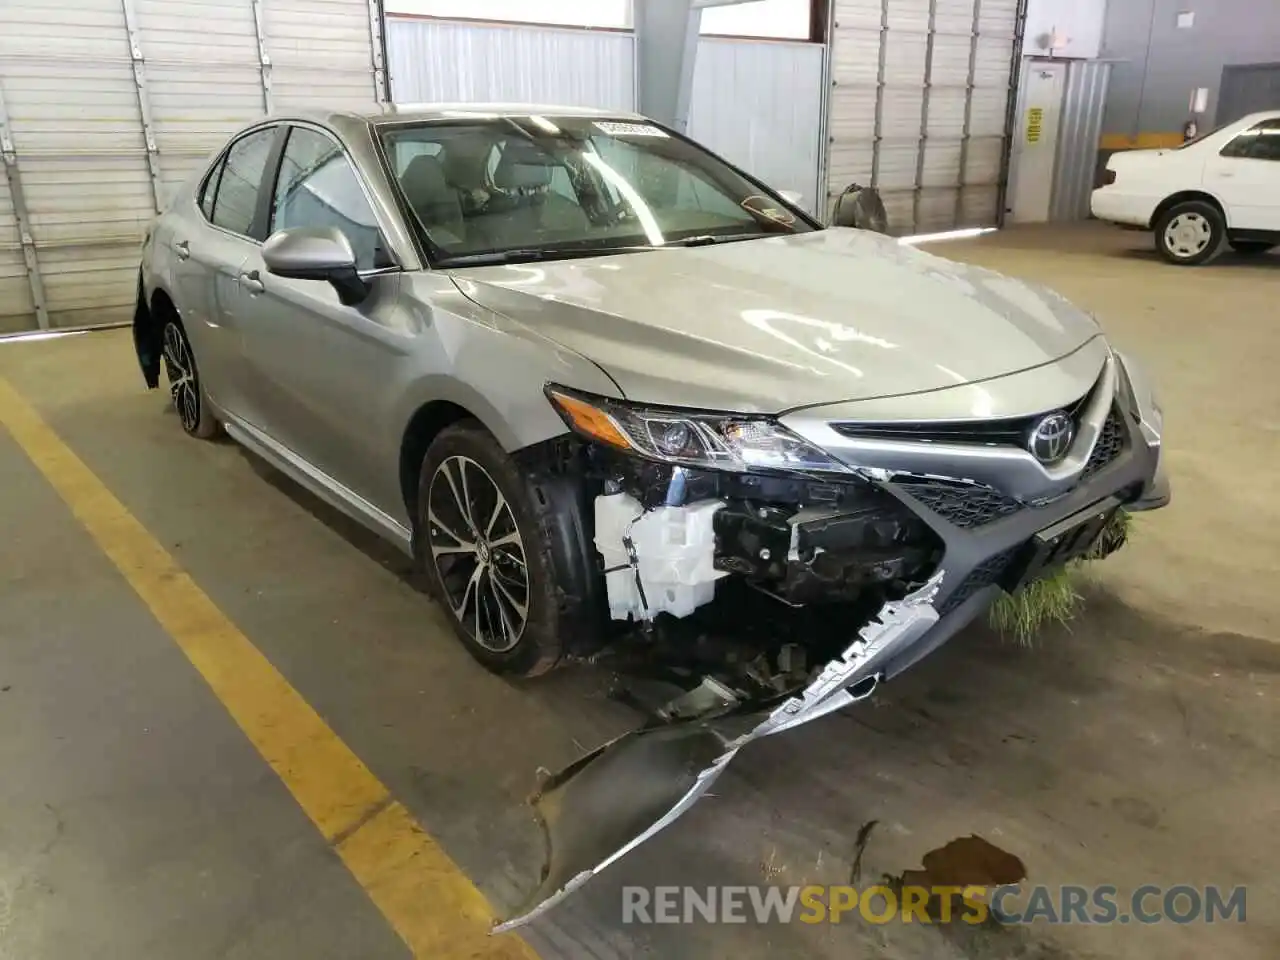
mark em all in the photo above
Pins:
pixel 1054 599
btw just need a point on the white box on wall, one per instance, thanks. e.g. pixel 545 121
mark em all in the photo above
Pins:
pixel 1064 28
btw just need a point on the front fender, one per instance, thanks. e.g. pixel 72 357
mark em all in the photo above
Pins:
pixel 496 370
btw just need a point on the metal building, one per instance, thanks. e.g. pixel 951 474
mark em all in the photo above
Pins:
pixel 105 105
pixel 920 105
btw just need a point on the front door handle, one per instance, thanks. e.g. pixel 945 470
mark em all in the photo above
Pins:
pixel 182 249
pixel 252 281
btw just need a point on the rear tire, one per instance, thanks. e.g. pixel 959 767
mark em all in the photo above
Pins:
pixel 1251 248
pixel 481 540
pixel 1191 233
pixel 185 389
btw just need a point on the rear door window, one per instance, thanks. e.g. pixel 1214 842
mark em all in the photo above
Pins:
pixel 209 189
pixel 1259 142
pixel 235 207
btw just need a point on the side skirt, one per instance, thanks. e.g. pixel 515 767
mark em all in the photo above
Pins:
pixel 318 482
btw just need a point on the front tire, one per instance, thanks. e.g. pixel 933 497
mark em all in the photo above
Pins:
pixel 1190 234
pixel 185 388
pixel 486 557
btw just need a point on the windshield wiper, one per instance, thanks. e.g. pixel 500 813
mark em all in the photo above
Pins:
pixel 706 239
pixel 534 254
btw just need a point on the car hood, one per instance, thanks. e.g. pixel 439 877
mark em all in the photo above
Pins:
pixel 779 323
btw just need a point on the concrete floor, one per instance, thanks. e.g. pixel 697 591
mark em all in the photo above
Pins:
pixel 136 821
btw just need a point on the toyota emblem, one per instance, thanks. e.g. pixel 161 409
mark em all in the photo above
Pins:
pixel 1051 437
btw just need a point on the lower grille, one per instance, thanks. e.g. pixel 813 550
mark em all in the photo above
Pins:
pixel 985 574
pixel 1111 443
pixel 964 505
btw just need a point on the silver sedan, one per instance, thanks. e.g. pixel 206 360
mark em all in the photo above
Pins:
pixel 596 379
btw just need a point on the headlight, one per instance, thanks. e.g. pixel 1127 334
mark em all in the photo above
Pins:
pixel 712 441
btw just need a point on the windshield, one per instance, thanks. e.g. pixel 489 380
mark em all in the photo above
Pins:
pixel 501 189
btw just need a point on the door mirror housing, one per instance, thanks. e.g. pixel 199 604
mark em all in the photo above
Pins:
pixel 316 253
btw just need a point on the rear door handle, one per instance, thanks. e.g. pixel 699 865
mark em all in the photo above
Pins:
pixel 182 249
pixel 252 281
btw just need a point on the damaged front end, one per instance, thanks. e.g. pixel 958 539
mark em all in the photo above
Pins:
pixel 761 584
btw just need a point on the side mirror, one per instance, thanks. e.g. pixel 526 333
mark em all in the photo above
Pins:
pixel 792 197
pixel 316 253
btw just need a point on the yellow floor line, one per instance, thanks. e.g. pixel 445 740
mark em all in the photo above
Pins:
pixel 422 893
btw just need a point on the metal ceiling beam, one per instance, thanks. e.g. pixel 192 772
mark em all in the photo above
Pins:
pixel 9 160
pixel 666 48
pixel 264 58
pixel 144 102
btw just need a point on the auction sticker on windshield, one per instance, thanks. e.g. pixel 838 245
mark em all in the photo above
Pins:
pixel 616 129
pixel 765 208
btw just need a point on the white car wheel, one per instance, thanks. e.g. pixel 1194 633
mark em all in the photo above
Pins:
pixel 1187 235
pixel 1190 233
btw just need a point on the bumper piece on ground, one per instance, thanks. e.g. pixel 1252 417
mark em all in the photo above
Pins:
pixel 609 802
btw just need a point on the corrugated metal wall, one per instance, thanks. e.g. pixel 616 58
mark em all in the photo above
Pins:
pixel 447 61
pixel 1158 64
pixel 106 105
pixel 759 105
pixel 771 125
pixel 1075 166
pixel 919 106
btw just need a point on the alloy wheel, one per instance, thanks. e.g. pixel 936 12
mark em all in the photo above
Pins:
pixel 1187 235
pixel 181 370
pixel 478 553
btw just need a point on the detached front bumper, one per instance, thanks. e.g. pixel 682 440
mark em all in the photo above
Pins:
pixel 615 798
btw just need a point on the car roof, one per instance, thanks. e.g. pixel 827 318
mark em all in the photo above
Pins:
pixel 1259 117
pixel 438 111
pixel 398 112
pixel 348 121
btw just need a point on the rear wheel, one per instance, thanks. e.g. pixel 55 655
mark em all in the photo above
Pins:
pixel 185 389
pixel 1190 233
pixel 1251 248
pixel 486 555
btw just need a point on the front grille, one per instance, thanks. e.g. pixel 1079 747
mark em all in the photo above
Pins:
pixel 985 574
pixel 962 504
pixel 1111 443
pixel 1010 432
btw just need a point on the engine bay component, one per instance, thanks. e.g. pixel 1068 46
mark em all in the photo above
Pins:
pixel 822 553
pixel 656 561
pixel 799 539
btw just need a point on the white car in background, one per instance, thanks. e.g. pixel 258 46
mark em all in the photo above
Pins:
pixel 1222 188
